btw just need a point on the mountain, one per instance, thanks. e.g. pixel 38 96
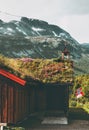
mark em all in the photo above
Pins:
pixel 35 38
pixel 82 64
pixel 29 27
pixel 86 47
pixel 38 39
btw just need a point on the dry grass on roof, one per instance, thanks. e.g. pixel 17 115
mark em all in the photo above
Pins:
pixel 44 70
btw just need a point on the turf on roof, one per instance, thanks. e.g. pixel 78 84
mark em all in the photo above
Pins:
pixel 44 70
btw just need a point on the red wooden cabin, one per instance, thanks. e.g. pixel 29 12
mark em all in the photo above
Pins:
pixel 19 99
pixel 13 98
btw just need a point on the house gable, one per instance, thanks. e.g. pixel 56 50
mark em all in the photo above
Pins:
pixel 12 77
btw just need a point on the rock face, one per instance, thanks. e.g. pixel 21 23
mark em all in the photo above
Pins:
pixel 35 38
pixel 30 27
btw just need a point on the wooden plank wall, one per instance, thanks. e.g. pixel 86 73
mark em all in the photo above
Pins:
pixel 40 97
pixel 4 103
pixel 37 99
pixel 17 102
pixel 44 99
pixel 21 99
pixel 32 100
pixel 66 100
pixel 0 101
pixel 14 105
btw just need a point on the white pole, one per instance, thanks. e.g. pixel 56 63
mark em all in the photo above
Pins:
pixel 1 128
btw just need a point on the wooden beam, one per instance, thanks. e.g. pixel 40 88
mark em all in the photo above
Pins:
pixel 12 77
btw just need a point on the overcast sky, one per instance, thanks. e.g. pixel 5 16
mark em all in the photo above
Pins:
pixel 70 15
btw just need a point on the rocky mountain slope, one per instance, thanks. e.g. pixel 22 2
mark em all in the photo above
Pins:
pixel 86 47
pixel 37 39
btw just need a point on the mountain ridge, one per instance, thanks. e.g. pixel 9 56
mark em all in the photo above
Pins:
pixel 34 31
pixel 31 27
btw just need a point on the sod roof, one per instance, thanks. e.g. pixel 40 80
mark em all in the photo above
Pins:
pixel 43 70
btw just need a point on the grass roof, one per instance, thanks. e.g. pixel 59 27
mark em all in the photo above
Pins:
pixel 44 70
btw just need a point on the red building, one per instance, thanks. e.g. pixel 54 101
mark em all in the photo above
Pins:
pixel 18 99
pixel 13 98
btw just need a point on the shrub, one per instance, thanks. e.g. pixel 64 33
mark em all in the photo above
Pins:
pixel 73 103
